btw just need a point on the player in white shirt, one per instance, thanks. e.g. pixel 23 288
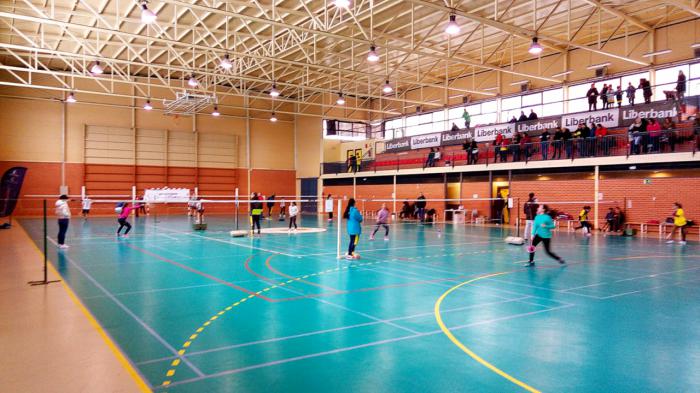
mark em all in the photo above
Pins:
pixel 87 203
pixel 293 212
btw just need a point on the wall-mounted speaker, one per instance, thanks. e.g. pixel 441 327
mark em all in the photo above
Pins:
pixel 600 72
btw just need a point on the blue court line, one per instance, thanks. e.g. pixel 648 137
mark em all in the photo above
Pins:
pixel 121 305
pixel 366 345
pixel 317 332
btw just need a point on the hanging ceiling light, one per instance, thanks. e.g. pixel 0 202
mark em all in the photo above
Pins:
pixel 273 118
pixel 226 62
pixel 387 87
pixel 216 111
pixel 147 106
pixel 274 92
pixel 372 56
pixel 535 47
pixel 97 68
pixel 342 3
pixel 71 98
pixel 192 82
pixel 147 16
pixel 452 27
pixel 340 100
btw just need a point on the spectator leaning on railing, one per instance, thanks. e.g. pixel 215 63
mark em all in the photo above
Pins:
pixel 544 143
pixel 592 95
pixel 680 84
pixel 630 91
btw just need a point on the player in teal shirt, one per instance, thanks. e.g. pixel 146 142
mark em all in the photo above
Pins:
pixel 542 232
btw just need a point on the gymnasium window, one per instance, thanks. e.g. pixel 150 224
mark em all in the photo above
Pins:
pixel 694 80
pixel 347 131
pixel 666 80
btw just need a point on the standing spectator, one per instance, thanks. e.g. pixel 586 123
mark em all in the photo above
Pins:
pixel 352 164
pixel 497 146
pixel 645 85
pixel 590 140
pixel 557 143
pixel 696 130
pixel 513 120
pixel 530 209
pixel 406 211
pixel 256 211
pixel 329 207
pixel 544 143
pixel 525 147
pixel 654 130
pixel 669 136
pixel 270 205
pixel 420 206
pixel 473 153
pixel 455 127
pixel 430 161
pixel 680 85
pixel 63 215
pixel 515 147
pixel 533 115
pixel 437 156
pixel 630 91
pixel 618 96
pixel 601 135
pixel 576 135
pixel 568 143
pixel 592 95
pixel 522 117
pixel 503 149
pixel 604 96
pixel 467 118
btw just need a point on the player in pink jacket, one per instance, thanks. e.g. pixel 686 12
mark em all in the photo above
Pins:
pixel 382 221
pixel 123 215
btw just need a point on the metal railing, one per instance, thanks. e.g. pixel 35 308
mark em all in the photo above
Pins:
pixel 624 144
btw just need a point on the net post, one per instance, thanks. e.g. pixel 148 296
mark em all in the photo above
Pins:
pixel 46 243
pixel 517 218
pixel 339 217
pixel 45 281
pixel 133 195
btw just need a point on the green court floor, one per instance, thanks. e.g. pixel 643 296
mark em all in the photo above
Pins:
pixel 204 312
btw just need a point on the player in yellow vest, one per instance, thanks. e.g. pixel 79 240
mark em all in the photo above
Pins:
pixel 680 223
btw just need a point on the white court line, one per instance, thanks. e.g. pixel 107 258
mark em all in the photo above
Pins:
pixel 121 305
pixel 366 345
pixel 317 332
pixel 231 242
pixel 404 247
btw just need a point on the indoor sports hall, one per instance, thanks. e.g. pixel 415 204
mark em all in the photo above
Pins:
pixel 349 196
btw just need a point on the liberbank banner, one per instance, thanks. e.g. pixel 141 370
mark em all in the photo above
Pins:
pixel 658 111
pixel 426 140
pixel 488 133
pixel 609 118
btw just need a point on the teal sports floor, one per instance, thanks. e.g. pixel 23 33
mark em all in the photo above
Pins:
pixel 204 312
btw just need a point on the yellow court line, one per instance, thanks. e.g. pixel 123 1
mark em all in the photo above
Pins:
pixel 140 382
pixel 464 348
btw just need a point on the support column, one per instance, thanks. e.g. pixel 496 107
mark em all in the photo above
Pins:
pixel 393 196
pixel 247 141
pixel 596 188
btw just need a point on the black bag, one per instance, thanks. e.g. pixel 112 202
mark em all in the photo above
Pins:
pixel 689 223
pixel 669 220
